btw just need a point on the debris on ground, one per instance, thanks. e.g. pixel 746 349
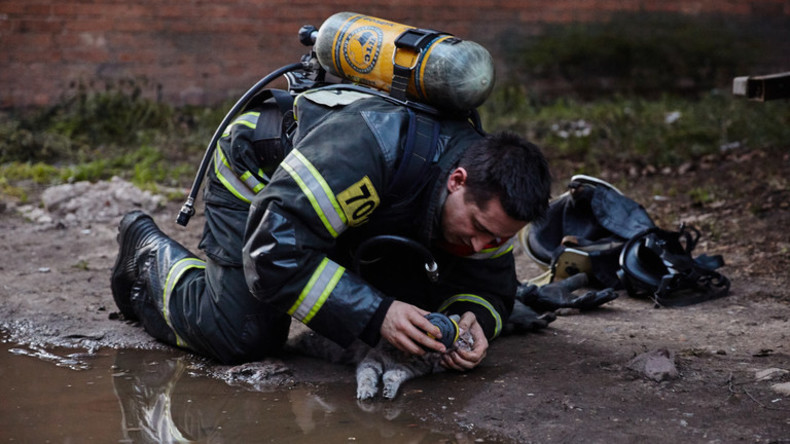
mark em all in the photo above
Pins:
pixel 657 365
pixel 82 203
pixel 783 388
pixel 770 373
pixel 566 383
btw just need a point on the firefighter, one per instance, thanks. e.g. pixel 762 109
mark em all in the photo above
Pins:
pixel 286 250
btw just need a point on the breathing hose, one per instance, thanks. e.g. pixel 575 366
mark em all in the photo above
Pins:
pixel 448 326
pixel 188 209
pixel 431 268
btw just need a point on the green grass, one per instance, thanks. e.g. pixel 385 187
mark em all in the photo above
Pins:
pixel 645 53
pixel 620 130
pixel 96 135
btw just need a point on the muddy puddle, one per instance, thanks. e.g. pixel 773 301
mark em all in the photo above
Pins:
pixel 73 396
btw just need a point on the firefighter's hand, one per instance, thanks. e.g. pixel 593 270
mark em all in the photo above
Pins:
pixel 406 327
pixel 462 359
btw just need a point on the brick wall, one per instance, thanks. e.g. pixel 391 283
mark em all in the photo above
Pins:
pixel 203 52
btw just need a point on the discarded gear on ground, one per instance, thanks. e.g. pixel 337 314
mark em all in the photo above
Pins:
pixel 595 230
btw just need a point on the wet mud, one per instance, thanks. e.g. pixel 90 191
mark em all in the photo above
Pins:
pixel 572 382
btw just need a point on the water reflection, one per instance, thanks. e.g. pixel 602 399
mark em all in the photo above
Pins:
pixel 165 401
pixel 74 361
pixel 137 396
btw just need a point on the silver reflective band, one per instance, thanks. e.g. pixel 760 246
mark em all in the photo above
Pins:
pixel 317 290
pixel 249 120
pixel 495 252
pixel 476 300
pixel 246 186
pixel 244 190
pixel 173 276
pixel 317 191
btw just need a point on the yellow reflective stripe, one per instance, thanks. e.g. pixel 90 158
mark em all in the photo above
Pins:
pixel 476 300
pixel 225 175
pixel 175 273
pixel 317 192
pixel 318 288
pixel 494 252
pixel 250 120
pixel 251 182
pixel 239 186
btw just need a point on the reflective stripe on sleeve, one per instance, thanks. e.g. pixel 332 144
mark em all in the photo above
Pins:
pixel 244 187
pixel 317 192
pixel 476 300
pixel 494 252
pixel 250 120
pixel 317 290
pixel 175 273
pixel 252 183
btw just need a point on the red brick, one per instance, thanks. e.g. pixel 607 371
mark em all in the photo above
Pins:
pixel 37 9
pixel 93 55
pixel 201 49
pixel 22 42
pixel 89 25
pixel 65 9
pixel 14 7
pixel 49 26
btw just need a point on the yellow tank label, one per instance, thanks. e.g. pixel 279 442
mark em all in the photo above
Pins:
pixel 363 49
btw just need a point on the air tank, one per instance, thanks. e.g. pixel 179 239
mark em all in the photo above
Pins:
pixel 448 73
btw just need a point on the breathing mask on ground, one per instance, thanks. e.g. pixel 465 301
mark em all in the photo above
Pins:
pixel 596 230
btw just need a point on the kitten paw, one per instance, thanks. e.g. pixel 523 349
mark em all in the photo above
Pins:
pixel 392 379
pixel 367 382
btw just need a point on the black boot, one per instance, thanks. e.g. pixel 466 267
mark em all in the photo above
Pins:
pixel 137 237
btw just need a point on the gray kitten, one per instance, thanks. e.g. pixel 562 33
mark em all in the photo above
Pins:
pixel 383 363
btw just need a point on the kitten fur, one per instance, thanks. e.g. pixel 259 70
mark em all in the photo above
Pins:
pixel 383 363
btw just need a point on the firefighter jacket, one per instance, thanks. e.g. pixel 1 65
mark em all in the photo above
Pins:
pixel 331 192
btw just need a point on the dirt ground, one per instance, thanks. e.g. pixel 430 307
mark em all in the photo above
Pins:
pixel 568 383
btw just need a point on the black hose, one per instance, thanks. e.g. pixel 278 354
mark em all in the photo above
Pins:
pixel 431 268
pixel 188 210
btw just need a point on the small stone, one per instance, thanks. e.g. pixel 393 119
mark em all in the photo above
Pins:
pixel 783 388
pixel 769 373
pixel 657 365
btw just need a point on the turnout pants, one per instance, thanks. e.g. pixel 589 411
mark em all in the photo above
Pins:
pixel 206 306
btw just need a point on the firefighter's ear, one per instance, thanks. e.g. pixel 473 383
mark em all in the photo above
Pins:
pixel 456 180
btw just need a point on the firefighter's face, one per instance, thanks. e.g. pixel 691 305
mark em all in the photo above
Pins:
pixel 464 223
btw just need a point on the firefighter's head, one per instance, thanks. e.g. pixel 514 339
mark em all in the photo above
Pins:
pixel 499 185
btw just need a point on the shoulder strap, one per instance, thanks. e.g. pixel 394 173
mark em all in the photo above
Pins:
pixel 271 138
pixel 422 139
pixel 284 102
pixel 414 40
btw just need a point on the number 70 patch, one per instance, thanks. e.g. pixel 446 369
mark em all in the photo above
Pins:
pixel 358 201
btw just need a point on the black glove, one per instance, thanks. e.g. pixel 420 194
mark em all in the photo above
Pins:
pixel 524 319
pixel 556 295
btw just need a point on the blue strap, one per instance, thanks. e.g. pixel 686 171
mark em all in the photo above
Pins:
pixel 422 139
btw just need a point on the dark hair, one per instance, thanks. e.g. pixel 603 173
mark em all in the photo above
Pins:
pixel 508 166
